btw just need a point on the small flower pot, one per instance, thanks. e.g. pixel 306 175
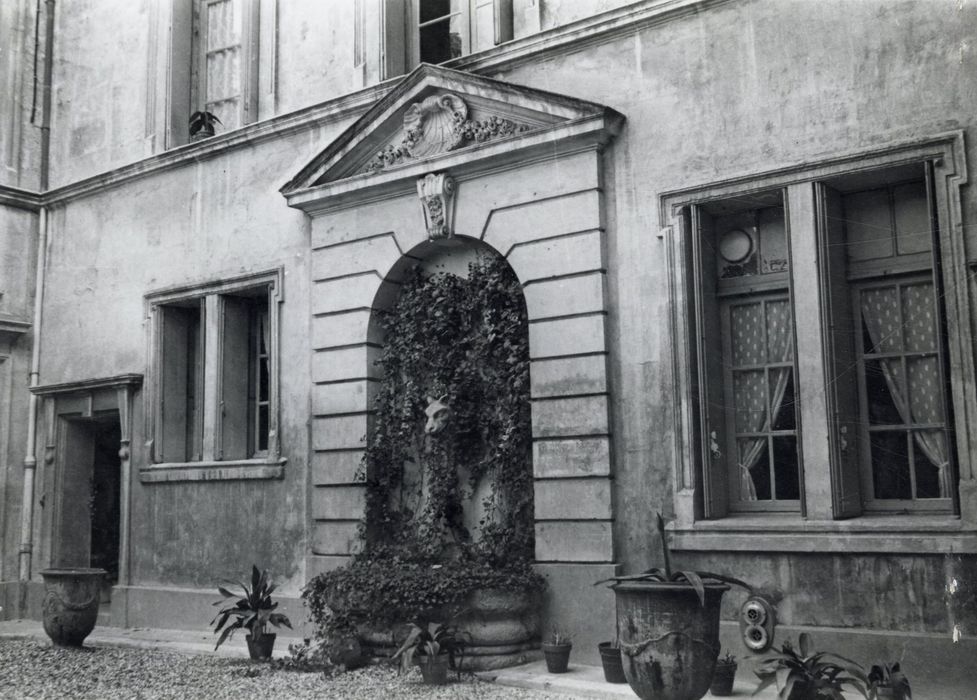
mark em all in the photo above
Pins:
pixel 887 692
pixel 434 669
pixel 70 609
pixel 610 659
pixel 260 649
pixel 722 679
pixel 557 657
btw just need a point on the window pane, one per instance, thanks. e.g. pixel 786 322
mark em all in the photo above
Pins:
pixel 785 468
pixel 911 213
pixel 890 464
pixel 868 222
pixel 746 326
pixel 880 314
pixel 882 409
pixel 440 41
pixel 750 400
pixel 432 9
pixel 754 465
pixel 927 469
pixel 918 314
pixel 783 408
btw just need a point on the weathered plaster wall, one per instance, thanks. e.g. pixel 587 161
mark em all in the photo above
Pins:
pixel 212 219
pixel 19 138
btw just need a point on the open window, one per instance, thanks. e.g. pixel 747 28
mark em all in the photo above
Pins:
pixel 216 359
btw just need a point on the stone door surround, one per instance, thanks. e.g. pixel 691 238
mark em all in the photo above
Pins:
pixel 520 171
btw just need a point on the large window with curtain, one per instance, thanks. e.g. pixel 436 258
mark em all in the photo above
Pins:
pixel 829 316
pixel 215 370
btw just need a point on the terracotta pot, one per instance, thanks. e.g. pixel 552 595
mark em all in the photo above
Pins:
pixel 669 642
pixel 722 679
pixel 434 669
pixel 260 649
pixel 70 609
pixel 557 657
pixel 610 659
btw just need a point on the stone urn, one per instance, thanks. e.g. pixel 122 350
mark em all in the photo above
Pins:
pixel 669 641
pixel 70 609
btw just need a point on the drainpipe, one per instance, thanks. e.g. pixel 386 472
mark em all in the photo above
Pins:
pixel 30 459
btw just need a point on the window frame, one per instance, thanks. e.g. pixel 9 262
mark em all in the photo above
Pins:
pixel 262 464
pixel 825 499
pixel 183 57
pixel 400 25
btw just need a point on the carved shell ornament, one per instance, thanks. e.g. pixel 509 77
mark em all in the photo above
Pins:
pixel 438 124
pixel 432 125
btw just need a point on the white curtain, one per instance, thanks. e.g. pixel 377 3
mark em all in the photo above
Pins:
pixel 751 325
pixel 918 396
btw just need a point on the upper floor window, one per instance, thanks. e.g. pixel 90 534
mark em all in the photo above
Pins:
pixel 212 63
pixel 215 364
pixel 435 31
pixel 821 347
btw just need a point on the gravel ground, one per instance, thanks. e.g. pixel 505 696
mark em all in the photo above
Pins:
pixel 31 670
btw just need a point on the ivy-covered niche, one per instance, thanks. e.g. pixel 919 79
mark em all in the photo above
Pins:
pixel 448 464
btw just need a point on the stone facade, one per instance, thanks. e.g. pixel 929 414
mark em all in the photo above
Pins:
pixel 576 150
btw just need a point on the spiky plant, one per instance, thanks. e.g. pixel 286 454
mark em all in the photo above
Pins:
pixel 430 641
pixel 696 579
pixel 888 675
pixel 806 674
pixel 253 612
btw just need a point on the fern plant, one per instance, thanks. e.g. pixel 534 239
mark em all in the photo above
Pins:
pixel 696 579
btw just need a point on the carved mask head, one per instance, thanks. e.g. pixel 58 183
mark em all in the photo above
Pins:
pixel 437 413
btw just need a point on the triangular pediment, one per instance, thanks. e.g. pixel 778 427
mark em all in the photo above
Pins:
pixel 434 112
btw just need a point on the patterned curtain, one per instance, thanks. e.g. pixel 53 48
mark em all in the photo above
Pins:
pixel 760 335
pixel 918 396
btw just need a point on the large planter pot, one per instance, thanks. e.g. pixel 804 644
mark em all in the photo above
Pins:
pixel 669 642
pixel 260 649
pixel 610 660
pixel 434 669
pixel 500 628
pixel 70 609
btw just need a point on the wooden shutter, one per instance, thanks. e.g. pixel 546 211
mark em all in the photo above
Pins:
pixel 503 20
pixel 841 400
pixel 394 49
pixel 709 374
pixel 235 376
pixel 180 388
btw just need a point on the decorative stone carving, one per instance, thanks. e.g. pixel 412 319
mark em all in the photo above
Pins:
pixel 439 124
pixel 437 412
pixel 436 191
pixel 431 125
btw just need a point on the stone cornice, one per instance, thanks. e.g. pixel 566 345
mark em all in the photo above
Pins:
pixel 88 385
pixel 598 28
pixel 20 199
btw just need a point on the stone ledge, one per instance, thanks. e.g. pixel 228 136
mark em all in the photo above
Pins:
pixel 213 471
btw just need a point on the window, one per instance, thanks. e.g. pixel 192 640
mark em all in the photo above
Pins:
pixel 821 358
pixel 213 64
pixel 216 372
pixel 435 31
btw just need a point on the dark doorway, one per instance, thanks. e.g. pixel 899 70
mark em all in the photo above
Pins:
pixel 104 500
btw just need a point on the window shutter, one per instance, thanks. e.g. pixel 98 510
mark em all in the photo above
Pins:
pixel 235 376
pixel 503 20
pixel 394 51
pixel 712 418
pixel 840 399
pixel 179 383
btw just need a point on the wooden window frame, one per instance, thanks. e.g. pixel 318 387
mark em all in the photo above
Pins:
pixel 212 463
pixel 183 58
pixel 830 487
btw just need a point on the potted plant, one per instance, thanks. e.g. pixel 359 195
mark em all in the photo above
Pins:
pixel 668 627
pixel 253 612
pixel 610 660
pixel 202 125
pixel 805 674
pixel 723 676
pixel 888 681
pixel 434 647
pixel 556 650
